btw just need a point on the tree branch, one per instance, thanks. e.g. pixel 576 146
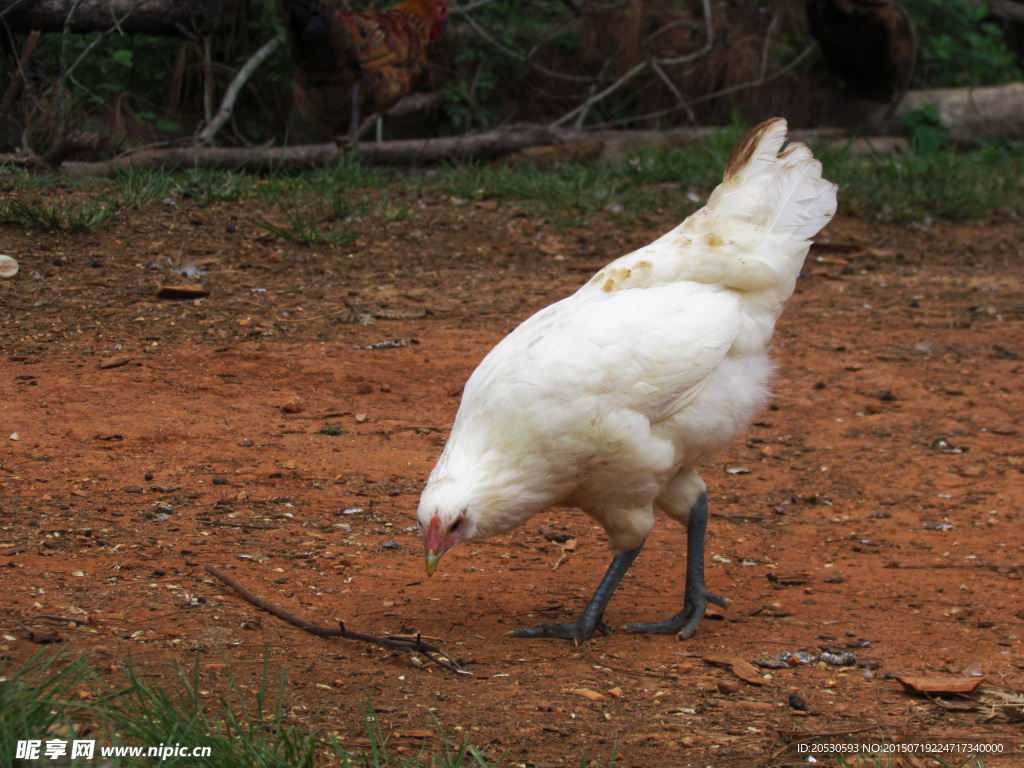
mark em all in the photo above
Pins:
pixel 207 135
pixel 582 108
pixel 18 79
pixel 397 642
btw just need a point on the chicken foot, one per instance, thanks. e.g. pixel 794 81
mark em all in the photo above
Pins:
pixel 591 620
pixel 696 594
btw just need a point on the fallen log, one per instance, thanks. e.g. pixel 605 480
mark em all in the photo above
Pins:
pixel 970 116
pixel 538 144
pixel 973 115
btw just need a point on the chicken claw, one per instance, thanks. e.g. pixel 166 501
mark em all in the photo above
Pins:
pixel 591 620
pixel 696 594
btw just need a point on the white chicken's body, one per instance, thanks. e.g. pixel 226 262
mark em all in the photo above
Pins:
pixel 610 398
pixel 597 401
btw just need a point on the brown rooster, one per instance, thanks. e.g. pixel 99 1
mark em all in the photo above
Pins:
pixel 352 62
pixel 868 44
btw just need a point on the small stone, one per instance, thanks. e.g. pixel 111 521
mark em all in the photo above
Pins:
pixel 14 436
pixel 220 481
pixel 728 687
pixel 8 266
pixel 796 701
pixel 391 544
pixel 148 476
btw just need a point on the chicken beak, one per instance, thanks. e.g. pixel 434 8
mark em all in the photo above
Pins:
pixel 432 560
pixel 433 545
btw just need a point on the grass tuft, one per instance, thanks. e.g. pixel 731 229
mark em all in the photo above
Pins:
pixel 138 186
pixel 54 696
pixel 39 699
pixel 76 216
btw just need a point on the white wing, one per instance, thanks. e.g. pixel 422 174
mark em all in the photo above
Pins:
pixel 648 351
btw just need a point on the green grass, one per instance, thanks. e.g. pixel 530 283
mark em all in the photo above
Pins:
pixel 74 216
pixel 39 699
pixel 946 184
pixel 322 207
pixel 208 186
pixel 920 186
pixel 138 186
pixel 312 220
pixel 57 696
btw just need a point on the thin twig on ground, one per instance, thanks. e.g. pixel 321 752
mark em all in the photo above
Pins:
pixel 397 642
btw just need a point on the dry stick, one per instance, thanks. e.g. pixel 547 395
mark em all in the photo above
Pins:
pixel 680 101
pixel 585 106
pixel 986 566
pixel 432 652
pixel 227 104
pixel 18 81
pixel 519 57
pixel 709 39
pixel 712 96
pixel 655 64
pixel 247 526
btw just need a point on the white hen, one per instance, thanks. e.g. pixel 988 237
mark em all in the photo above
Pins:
pixel 610 398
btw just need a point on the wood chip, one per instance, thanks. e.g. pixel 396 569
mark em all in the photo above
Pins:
pixel 742 668
pixel 114 362
pixel 789 577
pixel 411 734
pixel 940 686
pixel 587 693
pixel 181 292
pixel 615 693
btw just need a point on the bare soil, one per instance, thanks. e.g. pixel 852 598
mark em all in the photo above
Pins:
pixel 875 508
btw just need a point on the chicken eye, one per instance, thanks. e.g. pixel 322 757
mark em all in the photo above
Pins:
pixel 455 525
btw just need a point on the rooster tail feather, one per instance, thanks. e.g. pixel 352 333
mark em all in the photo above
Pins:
pixel 320 41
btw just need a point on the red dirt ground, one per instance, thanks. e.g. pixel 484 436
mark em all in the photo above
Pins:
pixel 882 490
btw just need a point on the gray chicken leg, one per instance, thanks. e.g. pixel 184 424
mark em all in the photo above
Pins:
pixel 696 595
pixel 591 620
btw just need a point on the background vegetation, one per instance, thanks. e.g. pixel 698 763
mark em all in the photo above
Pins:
pixel 500 61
